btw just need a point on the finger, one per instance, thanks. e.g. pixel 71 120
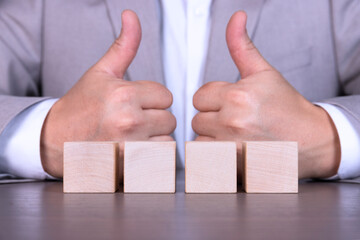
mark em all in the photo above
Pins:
pixel 242 50
pixel 159 122
pixel 154 95
pixel 204 139
pixel 161 138
pixel 119 56
pixel 209 97
pixel 154 138
pixel 206 124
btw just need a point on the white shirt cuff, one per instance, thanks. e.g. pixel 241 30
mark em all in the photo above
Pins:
pixel 349 134
pixel 20 142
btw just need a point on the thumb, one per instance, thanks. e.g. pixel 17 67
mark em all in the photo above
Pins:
pixel 120 55
pixel 242 50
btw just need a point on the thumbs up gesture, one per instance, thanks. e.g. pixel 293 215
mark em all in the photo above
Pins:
pixel 102 106
pixel 264 106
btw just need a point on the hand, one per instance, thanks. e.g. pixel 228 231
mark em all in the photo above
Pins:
pixel 264 106
pixel 102 106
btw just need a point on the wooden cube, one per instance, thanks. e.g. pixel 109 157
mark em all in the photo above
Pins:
pixel 210 167
pixel 90 167
pixel 270 167
pixel 149 167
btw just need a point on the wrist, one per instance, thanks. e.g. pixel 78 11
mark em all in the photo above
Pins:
pixel 320 152
pixel 51 151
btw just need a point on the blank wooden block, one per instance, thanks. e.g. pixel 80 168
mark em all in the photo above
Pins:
pixel 90 167
pixel 270 167
pixel 149 167
pixel 210 167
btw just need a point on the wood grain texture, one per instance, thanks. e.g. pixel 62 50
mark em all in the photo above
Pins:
pixel 149 167
pixel 90 167
pixel 270 167
pixel 210 167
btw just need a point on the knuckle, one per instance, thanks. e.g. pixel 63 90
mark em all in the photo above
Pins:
pixel 167 97
pixel 172 122
pixel 197 99
pixel 212 85
pixel 160 91
pixel 238 97
pixel 249 45
pixel 128 122
pixel 235 124
pixel 204 90
pixel 195 122
pixel 123 94
pixel 120 45
pixel 169 121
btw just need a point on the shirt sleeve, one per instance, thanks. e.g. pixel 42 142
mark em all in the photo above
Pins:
pixel 349 134
pixel 20 143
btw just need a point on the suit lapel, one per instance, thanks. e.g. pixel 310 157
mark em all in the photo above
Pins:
pixel 147 64
pixel 219 65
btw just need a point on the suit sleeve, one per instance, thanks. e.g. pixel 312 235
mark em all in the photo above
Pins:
pixel 346 32
pixel 346 38
pixel 20 57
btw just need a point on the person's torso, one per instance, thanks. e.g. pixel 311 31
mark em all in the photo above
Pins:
pixel 294 36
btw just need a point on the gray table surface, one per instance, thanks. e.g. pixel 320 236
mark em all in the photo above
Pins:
pixel 40 210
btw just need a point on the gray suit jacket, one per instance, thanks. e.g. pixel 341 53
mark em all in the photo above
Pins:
pixel 46 46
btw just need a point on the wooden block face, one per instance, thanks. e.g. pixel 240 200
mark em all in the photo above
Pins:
pixel 90 167
pixel 270 167
pixel 210 167
pixel 149 167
